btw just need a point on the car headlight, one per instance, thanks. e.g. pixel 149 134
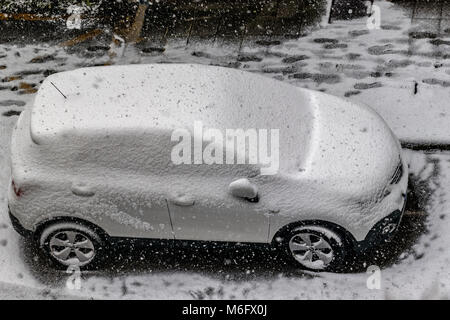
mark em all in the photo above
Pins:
pixel 397 176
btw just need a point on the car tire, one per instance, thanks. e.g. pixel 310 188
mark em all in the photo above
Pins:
pixel 72 244
pixel 315 248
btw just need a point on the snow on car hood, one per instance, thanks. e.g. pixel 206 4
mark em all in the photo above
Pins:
pixel 353 149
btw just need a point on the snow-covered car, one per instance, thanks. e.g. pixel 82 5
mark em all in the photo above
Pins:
pixel 92 160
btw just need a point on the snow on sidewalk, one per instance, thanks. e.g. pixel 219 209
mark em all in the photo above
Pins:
pixel 401 70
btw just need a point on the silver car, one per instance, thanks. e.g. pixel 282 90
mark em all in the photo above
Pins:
pixel 100 156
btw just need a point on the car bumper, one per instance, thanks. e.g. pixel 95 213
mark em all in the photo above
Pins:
pixel 18 226
pixel 383 231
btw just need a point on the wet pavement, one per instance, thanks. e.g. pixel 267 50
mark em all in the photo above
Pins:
pixel 165 20
pixel 432 15
pixel 205 19
pixel 181 19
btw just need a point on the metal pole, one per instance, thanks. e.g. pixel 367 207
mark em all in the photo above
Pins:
pixel 331 11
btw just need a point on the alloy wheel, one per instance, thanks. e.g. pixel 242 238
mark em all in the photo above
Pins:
pixel 72 248
pixel 311 250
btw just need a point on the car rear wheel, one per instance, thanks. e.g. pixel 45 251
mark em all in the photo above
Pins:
pixel 315 248
pixel 70 244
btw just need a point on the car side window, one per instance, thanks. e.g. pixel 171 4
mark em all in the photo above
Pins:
pixel 208 160
pixel 139 152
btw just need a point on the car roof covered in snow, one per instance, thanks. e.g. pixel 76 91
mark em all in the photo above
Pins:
pixel 165 96
pixel 322 135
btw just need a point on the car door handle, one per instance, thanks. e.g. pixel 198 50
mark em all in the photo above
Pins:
pixel 182 201
pixel 82 190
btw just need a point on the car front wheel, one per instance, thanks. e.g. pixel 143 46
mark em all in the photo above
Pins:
pixel 315 248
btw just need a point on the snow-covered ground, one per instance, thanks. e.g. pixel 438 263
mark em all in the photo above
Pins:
pixel 406 79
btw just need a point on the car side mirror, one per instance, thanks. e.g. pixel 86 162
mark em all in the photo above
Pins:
pixel 242 188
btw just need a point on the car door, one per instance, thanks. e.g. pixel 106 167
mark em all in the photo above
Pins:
pixel 130 184
pixel 201 207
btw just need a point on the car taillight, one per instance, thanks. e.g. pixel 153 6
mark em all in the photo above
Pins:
pixel 18 192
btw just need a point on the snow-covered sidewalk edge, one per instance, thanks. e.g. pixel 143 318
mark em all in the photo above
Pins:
pixel 14 291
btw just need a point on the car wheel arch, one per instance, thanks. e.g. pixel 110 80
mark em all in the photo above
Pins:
pixel 83 222
pixel 347 237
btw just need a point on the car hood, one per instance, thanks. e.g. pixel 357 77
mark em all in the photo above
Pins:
pixel 352 149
